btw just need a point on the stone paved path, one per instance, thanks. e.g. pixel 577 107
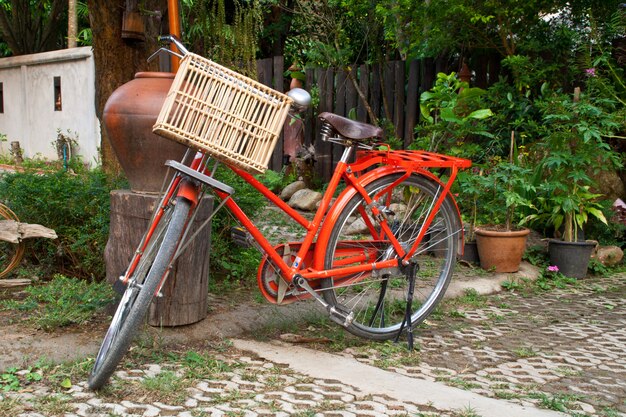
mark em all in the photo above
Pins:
pixel 562 349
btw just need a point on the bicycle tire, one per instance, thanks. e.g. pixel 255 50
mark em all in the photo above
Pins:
pixel 139 292
pixel 378 300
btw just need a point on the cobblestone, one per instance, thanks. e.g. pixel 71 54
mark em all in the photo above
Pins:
pixel 562 349
pixel 567 346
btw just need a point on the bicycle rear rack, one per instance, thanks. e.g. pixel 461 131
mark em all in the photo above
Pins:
pixel 412 159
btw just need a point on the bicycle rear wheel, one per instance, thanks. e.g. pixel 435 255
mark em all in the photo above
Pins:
pixel 378 298
pixel 140 289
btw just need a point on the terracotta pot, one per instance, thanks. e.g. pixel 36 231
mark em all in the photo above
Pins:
pixel 572 258
pixel 501 251
pixel 129 115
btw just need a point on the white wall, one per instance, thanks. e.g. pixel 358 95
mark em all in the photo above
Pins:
pixel 29 112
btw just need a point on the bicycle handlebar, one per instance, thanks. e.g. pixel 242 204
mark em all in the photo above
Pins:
pixel 173 39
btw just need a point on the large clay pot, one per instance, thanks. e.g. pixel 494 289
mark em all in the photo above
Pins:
pixel 572 258
pixel 129 115
pixel 501 251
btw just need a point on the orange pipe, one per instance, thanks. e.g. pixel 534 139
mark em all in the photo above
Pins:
pixel 173 16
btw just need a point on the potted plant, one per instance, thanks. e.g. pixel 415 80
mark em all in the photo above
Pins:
pixel 454 122
pixel 468 184
pixel 573 150
pixel 502 243
pixel 507 188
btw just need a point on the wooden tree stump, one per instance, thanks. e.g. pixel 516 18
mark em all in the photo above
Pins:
pixel 185 293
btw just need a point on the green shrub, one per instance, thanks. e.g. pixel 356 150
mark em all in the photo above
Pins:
pixel 75 205
pixel 229 262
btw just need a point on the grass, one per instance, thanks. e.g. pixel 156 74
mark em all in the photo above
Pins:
pixel 525 352
pixel 202 365
pixel 53 405
pixel 61 302
pixel 461 383
pixel 10 406
pixel 468 411
pixel 562 402
pixel 167 387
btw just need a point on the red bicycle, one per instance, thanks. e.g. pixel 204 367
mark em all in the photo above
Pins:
pixel 378 259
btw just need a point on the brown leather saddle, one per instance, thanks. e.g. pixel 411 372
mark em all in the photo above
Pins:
pixel 351 129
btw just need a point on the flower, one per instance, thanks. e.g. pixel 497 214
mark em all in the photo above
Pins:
pixel 553 268
pixel 590 72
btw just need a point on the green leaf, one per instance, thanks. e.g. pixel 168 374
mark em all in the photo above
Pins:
pixel 426 95
pixel 480 114
pixel 426 113
pixel 447 115
pixel 66 383
pixel 597 214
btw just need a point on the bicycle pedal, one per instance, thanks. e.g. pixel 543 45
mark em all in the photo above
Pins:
pixel 241 237
pixel 340 315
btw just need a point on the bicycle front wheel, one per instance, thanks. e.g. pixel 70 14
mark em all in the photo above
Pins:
pixel 140 290
pixel 378 299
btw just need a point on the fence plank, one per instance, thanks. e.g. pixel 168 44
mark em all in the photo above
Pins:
pixel 340 107
pixel 398 104
pixel 412 95
pixel 393 94
pixel 278 68
pixel 323 150
pixel 375 91
pixel 387 87
pixel 364 82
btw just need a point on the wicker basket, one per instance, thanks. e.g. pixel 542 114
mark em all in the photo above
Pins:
pixel 218 111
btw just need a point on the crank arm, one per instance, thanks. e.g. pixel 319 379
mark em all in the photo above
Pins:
pixel 340 317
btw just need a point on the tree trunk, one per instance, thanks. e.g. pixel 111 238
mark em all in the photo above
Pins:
pixel 118 60
pixel 29 29
pixel 72 24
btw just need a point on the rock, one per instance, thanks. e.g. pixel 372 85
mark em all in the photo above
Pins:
pixel 398 209
pixel 357 227
pixel 610 255
pixel 319 203
pixel 291 189
pixel 610 185
pixel 305 199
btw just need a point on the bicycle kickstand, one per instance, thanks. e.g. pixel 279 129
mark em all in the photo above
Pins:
pixel 411 271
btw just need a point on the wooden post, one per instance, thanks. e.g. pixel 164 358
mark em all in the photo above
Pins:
pixel 173 16
pixel 16 151
pixel 185 293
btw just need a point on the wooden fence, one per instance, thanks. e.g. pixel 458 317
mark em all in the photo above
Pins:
pixel 392 90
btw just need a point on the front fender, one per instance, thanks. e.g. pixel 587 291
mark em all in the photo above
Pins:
pixel 342 200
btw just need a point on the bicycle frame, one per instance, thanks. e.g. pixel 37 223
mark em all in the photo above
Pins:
pixel 357 176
